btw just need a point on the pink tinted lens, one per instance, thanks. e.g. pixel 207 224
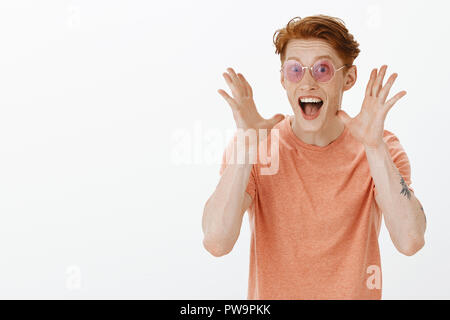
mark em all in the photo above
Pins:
pixel 323 70
pixel 293 70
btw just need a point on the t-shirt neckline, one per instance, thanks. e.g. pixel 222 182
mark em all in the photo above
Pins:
pixel 299 144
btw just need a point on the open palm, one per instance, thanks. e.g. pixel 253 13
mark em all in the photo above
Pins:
pixel 368 126
pixel 242 104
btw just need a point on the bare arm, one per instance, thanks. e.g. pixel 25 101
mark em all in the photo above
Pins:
pixel 403 214
pixel 225 208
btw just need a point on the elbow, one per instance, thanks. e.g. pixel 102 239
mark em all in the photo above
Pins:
pixel 215 247
pixel 412 247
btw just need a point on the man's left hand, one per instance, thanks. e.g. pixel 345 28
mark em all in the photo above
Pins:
pixel 368 126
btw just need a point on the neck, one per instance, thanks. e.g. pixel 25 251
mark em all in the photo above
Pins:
pixel 320 138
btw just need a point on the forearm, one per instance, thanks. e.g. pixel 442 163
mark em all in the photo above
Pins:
pixel 403 214
pixel 223 212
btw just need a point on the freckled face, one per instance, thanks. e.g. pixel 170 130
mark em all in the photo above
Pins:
pixel 307 53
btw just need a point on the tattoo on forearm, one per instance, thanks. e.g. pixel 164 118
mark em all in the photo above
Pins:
pixel 405 190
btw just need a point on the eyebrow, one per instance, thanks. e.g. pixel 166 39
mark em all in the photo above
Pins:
pixel 315 59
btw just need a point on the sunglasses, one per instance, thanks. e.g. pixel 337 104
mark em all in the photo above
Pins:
pixel 322 71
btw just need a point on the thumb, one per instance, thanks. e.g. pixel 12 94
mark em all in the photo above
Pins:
pixel 275 119
pixel 343 116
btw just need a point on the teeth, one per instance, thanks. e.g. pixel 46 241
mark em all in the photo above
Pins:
pixel 316 100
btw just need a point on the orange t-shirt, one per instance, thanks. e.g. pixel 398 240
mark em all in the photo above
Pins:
pixel 315 222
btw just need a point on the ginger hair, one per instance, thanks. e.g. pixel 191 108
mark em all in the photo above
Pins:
pixel 330 29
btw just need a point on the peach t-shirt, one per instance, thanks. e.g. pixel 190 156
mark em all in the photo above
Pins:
pixel 315 222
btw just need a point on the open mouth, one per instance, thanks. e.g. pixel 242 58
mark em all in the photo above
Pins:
pixel 310 106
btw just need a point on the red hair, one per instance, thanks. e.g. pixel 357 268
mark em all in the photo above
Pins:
pixel 324 27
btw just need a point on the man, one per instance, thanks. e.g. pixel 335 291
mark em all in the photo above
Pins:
pixel 315 222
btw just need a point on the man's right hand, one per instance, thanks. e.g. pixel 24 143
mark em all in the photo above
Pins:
pixel 243 106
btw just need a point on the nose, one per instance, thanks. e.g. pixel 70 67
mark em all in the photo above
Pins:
pixel 308 82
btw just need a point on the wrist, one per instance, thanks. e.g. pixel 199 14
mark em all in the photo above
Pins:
pixel 375 147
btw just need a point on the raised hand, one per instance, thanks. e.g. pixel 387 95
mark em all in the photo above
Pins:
pixel 368 126
pixel 242 104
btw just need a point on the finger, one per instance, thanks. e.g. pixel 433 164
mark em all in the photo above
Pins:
pixel 275 119
pixel 242 84
pixel 235 78
pixel 343 116
pixel 232 85
pixel 373 75
pixel 387 87
pixel 390 103
pixel 236 81
pixel 246 85
pixel 379 81
pixel 228 99
pixel 232 73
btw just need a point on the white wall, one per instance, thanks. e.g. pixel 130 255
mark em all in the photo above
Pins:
pixel 96 98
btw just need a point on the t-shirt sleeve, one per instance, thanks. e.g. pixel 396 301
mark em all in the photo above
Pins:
pixel 228 158
pixel 399 157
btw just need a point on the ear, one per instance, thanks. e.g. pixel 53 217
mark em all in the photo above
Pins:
pixel 350 78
